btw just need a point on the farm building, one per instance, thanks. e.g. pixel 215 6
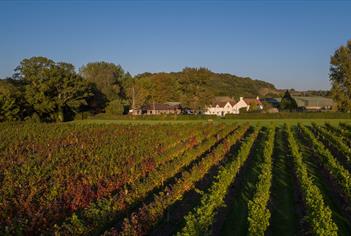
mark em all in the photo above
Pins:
pixel 273 101
pixel 313 103
pixel 226 105
pixel 158 109
pixel 165 108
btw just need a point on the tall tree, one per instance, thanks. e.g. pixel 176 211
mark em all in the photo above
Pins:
pixel 107 77
pixel 108 82
pixel 288 102
pixel 194 87
pixel 340 77
pixel 10 102
pixel 54 90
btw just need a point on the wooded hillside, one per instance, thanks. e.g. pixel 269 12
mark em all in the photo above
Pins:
pixel 194 87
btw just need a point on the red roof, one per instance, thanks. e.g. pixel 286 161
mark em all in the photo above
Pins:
pixel 222 104
pixel 252 101
pixel 222 101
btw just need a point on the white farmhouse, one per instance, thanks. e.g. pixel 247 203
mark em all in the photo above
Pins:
pixel 226 105
pixel 242 104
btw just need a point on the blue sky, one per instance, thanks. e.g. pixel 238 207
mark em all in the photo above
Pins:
pixel 288 43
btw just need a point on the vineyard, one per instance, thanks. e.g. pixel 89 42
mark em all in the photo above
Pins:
pixel 200 178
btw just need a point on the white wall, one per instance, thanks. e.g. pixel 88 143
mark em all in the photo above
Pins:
pixel 227 109
pixel 241 104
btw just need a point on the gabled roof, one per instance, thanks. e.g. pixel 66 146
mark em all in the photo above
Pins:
pixel 252 101
pixel 173 103
pixel 222 101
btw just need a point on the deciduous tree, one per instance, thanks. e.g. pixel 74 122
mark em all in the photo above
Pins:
pixel 340 77
pixel 107 77
pixel 10 102
pixel 54 90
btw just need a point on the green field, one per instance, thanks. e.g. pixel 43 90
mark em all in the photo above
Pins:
pixel 187 177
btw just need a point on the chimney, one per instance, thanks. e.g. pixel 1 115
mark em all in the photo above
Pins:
pixel 241 98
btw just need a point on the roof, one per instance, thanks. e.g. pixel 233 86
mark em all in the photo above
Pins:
pixel 158 106
pixel 312 101
pixel 270 100
pixel 222 104
pixel 173 103
pixel 222 101
pixel 252 101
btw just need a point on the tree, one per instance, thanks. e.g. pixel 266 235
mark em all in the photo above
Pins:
pixel 195 89
pixel 97 102
pixel 340 77
pixel 108 82
pixel 115 107
pixel 10 102
pixel 288 102
pixel 54 90
pixel 107 77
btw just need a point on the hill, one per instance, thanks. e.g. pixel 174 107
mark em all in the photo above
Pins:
pixel 195 87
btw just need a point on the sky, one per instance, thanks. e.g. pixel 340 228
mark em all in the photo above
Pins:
pixel 287 43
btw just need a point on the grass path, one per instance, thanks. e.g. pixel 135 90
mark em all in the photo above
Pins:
pixel 284 217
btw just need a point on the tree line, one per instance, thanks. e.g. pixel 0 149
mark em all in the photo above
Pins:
pixel 44 90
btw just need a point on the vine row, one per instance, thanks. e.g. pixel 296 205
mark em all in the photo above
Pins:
pixel 101 213
pixel 142 221
pixel 335 169
pixel 258 212
pixel 199 221
pixel 319 215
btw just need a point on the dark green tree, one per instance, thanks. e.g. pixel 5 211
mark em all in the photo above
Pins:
pixel 288 102
pixel 10 102
pixel 115 107
pixel 108 82
pixel 54 90
pixel 194 86
pixel 340 77
pixel 107 77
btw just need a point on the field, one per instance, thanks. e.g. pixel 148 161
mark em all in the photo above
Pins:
pixel 225 177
